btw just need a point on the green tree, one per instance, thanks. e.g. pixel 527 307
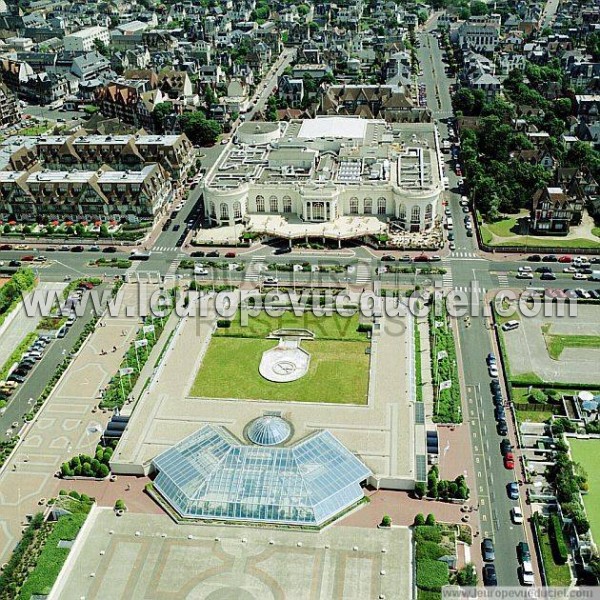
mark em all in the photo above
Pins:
pixel 479 8
pixel 101 47
pixel 199 129
pixel 419 520
pixel 161 111
pixel 104 233
pixel 467 576
pixel 430 520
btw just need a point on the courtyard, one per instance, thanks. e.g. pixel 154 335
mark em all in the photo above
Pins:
pixel 555 349
pixel 141 556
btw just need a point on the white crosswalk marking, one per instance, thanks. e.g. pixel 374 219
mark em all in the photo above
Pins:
pixel 257 264
pixel 165 249
pixel 503 280
pixel 476 289
pixel 447 276
pixel 363 272
pixel 172 267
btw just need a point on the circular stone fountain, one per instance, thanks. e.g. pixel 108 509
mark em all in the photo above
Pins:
pixel 284 363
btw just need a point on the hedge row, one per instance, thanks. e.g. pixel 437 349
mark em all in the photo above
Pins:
pixel 557 539
pixel 432 575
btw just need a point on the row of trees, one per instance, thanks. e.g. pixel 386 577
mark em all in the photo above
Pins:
pixel 12 290
pixel 83 465
pixel 442 489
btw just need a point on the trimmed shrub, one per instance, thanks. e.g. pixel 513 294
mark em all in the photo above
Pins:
pixel 557 539
pixel 430 520
pixel 386 521
pixel 432 575
pixel 223 323
pixel 419 520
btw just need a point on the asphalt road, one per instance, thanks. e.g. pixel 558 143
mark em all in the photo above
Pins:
pixel 27 393
pixel 474 344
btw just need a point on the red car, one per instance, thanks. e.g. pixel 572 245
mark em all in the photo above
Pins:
pixel 458 172
pixel 509 460
pixel 421 258
pixel 27 258
pixel 565 259
pixel 230 255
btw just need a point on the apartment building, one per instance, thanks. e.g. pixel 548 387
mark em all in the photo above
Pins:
pixel 84 40
pixel 9 107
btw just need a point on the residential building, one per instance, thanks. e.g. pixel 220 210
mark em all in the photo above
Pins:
pixel 130 102
pixel 83 40
pixel 9 107
pixel 84 195
pixel 553 211
pixel 481 34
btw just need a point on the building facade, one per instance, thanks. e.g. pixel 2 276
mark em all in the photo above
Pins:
pixel 319 170
pixel 84 40
pixel 84 195
pixel 9 107
pixel 553 211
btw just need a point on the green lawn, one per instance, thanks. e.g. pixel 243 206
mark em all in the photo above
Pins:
pixel 555 344
pixel 502 228
pixel 334 327
pixel 596 232
pixel 338 372
pixel 584 452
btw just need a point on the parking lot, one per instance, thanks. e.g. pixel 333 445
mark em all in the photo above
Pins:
pixel 528 352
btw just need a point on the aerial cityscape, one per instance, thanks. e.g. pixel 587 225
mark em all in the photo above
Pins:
pixel 299 301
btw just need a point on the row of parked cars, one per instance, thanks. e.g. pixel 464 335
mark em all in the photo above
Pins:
pixel 506 450
pixel 21 369
pixel 63 248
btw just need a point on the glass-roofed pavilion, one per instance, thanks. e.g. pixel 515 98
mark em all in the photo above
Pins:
pixel 212 475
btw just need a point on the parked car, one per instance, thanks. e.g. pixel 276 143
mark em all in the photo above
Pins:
pixel 197 254
pixel 534 258
pixel 526 573
pixel 509 461
pixel 388 258
pixel 544 270
pixel 505 446
pixel 512 489
pixel 230 255
pixel 524 275
pixel 489 576
pixel 282 250
pixel 499 413
pixel 77 249
pixel 565 259
pixel 547 276
pixel 523 553
pixel 271 281
pixel 109 249
pixel 525 269
pixel 510 325
pixel 502 428
pixel 27 258
pixel 213 254
pixel 421 258
pixel 493 370
pixel 487 550
pixel 176 227
pixel 550 258
pixel 14 263
pixel 517 515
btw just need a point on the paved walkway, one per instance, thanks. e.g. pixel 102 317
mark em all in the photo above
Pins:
pixel 64 427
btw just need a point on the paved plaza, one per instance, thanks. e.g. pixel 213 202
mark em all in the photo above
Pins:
pixel 65 426
pixel 149 557
pixel 381 432
pixel 527 351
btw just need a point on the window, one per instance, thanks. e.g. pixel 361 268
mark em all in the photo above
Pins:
pixel 353 206
pixel 224 212
pixel 260 204
pixel 213 211
pixel 381 206
pixel 402 212
pixel 287 204
pixel 415 214
pixel 429 212
pixel 368 206
pixel 237 210
pixel 273 204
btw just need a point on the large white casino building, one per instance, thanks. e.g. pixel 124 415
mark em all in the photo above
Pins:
pixel 325 170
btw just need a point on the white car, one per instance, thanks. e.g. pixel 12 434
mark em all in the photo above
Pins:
pixel 525 275
pixel 452 246
pixel 569 270
pixel 516 514
pixel 525 269
pixel 271 281
pixel 580 276
pixel 493 370
pixel 510 325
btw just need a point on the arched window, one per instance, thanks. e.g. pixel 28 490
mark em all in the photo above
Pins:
pixel 273 204
pixel 260 204
pixel 381 206
pixel 354 206
pixel 429 212
pixel 415 214
pixel 237 210
pixel 213 210
pixel 368 206
pixel 224 212
pixel 287 204
pixel 402 212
